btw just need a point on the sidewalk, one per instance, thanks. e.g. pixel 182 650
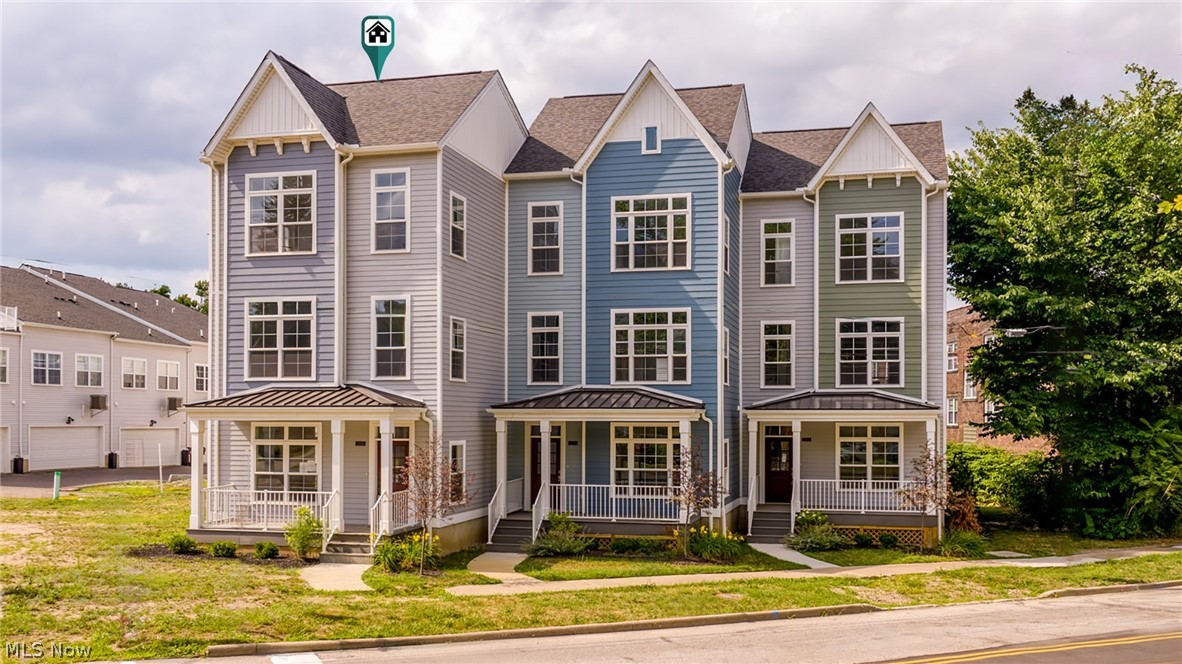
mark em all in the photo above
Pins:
pixel 862 572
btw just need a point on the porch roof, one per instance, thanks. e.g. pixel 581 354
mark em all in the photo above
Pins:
pixel 604 397
pixel 337 396
pixel 839 400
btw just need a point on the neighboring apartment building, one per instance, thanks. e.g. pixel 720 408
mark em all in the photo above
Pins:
pixel 966 409
pixel 565 310
pixel 93 375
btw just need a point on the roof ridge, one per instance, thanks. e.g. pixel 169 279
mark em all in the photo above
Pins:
pixel 845 128
pixel 415 78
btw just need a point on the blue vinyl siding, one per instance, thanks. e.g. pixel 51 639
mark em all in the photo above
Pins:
pixel 732 425
pixel 548 292
pixel 279 276
pixel 599 450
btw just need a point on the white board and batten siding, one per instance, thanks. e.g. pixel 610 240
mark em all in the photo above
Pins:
pixel 651 107
pixel 273 111
pixel 870 151
pixel 489 133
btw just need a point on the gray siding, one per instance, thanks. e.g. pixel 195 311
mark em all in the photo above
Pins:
pixel 818 456
pixel 359 484
pixel 937 286
pixel 729 410
pixel 279 276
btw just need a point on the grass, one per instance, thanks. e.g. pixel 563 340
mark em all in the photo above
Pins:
pixel 453 571
pixel 611 567
pixel 859 557
pixel 66 577
pixel 1041 543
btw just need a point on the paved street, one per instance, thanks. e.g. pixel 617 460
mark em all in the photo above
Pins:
pixel 925 634
pixel 1141 647
pixel 40 484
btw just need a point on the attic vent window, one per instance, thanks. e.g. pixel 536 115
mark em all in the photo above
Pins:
pixel 652 141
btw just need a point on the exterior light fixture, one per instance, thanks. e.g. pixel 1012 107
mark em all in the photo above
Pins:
pixel 151 423
pixel 69 420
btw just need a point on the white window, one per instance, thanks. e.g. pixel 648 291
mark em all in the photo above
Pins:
pixel 459 226
pixel 286 457
pixel 871 353
pixel 869 452
pixel 168 375
pixel 952 348
pixel 390 210
pixel 545 348
pixel 200 377
pixel 726 246
pixel 651 346
pixel 870 247
pixel 47 368
pixel 282 213
pixel 645 455
pixel 280 338
pixel 726 356
pixel 951 412
pixel 651 232
pixel 950 363
pixel 459 349
pixel 3 365
pixel 390 339
pixel 970 388
pixel 989 338
pixel 458 457
pixel 135 373
pixel 88 370
pixel 777 353
pixel 778 241
pixel 990 406
pixel 652 140
pixel 725 475
pixel 545 238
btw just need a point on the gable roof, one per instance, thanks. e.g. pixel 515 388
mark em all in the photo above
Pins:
pixel 156 309
pixel 39 300
pixel 788 160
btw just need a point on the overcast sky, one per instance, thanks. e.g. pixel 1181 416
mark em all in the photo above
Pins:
pixel 105 107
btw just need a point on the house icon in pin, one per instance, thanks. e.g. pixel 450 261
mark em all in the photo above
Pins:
pixel 377 34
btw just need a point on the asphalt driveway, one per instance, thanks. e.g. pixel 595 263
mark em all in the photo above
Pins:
pixel 40 484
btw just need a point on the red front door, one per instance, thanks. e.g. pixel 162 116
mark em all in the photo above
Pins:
pixel 535 458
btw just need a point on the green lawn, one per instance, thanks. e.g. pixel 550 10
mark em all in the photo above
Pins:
pixel 66 577
pixel 609 567
pixel 859 557
pixel 453 571
pixel 1040 543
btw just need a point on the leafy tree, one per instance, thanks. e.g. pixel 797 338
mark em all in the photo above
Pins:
pixel 1060 222
pixel 201 302
pixel 162 289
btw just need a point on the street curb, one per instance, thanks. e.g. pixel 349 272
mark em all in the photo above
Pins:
pixel 1104 590
pixel 239 649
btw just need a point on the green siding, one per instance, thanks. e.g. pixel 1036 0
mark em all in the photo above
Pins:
pixel 870 300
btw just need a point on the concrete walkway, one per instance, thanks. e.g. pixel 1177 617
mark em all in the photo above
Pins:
pixel 855 572
pixel 791 555
pixel 335 576
pixel 500 566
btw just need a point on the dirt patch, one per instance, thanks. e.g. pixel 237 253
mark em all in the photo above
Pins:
pixel 735 596
pixel 876 595
pixel 21 529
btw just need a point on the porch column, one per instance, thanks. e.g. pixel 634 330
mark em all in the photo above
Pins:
pixel 502 464
pixel 338 471
pixel 385 465
pixel 795 506
pixel 544 471
pixel 686 446
pixel 753 459
pixel 930 433
pixel 197 459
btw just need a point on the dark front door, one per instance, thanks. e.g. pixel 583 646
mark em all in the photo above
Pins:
pixel 777 466
pixel 535 458
pixel 400 447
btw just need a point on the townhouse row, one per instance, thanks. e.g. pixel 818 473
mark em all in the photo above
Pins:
pixel 563 309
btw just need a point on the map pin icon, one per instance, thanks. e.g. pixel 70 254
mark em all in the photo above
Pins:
pixel 377 38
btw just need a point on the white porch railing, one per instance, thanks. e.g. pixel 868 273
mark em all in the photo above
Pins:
pixel 514 495
pixel 331 522
pixel 231 507
pixel 389 513
pixel 541 509
pixel 377 524
pixel 752 500
pixel 855 495
pixel 399 510
pixel 495 511
pixel 615 502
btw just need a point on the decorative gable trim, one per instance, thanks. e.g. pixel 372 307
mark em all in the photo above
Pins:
pixel 649 70
pixel 871 114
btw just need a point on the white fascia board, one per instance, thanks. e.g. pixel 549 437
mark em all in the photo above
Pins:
pixel 300 414
pixel 869 113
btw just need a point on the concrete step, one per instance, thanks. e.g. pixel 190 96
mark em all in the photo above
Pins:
pixel 347 558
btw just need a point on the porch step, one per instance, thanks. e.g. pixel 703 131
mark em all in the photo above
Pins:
pixel 347 558
pixel 350 538
pixel 764 539
pixel 347 547
pixel 774 508
pixel 512 532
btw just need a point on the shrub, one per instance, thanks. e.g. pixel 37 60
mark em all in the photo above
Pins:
pixel 963 544
pixel 715 547
pixel 266 550
pixel 863 541
pixel 809 518
pixel 182 544
pixel 223 549
pixel 961 512
pixel 403 554
pixel 637 545
pixel 887 540
pixel 305 534
pixel 561 538
pixel 823 537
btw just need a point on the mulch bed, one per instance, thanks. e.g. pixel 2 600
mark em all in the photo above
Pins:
pixel 161 551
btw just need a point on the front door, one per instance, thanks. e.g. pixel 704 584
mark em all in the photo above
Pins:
pixel 777 456
pixel 535 458
pixel 399 449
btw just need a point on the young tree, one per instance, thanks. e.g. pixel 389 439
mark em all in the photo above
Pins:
pixel 695 491
pixel 1058 224
pixel 436 485
pixel 927 491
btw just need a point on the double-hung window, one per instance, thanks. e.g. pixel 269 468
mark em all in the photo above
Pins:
pixel 545 349
pixel 88 370
pixel 280 338
pixel 777 252
pixel 3 366
pixel 47 368
pixel 645 455
pixel 870 247
pixel 951 363
pixel 545 238
pixel 651 346
pixel 135 373
pixel 970 388
pixel 391 338
pixel 168 375
pixel 286 457
pixel 726 356
pixel 869 452
pixel 951 412
pixel 200 377
pixel 777 353
pixel 459 226
pixel 457 457
pixel 651 232
pixel 871 353
pixel 281 213
pixel 726 246
pixel 390 225
pixel 459 349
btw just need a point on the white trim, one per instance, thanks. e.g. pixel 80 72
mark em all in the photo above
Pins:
pixel 763 337
pixel 102 370
pixel 123 374
pixel 373 335
pixel 5 364
pixel 644 149
pixel 279 318
pixel 870 112
pixel 451 348
pixel 61 368
pixel 763 238
pixel 374 190
pixel 669 354
pixel 868 441
pixel 468 110
pixel 669 241
pixel 451 225
pixel 869 335
pixel 726 243
pixel 161 372
pixel 951 412
pixel 725 355
pixel 631 442
pixel 197 378
pixel 529 347
pixel 951 363
pixel 529 237
pixel 970 387
pixel 279 225
pixel 286 443
pixel 463 472
pixel 869 257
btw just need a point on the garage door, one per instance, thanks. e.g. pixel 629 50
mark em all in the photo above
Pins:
pixel 55 448
pixel 5 451
pixel 146 447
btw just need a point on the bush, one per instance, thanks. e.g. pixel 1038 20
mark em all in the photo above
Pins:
pixel 715 547
pixel 823 537
pixel 182 544
pixel 961 512
pixel 305 534
pixel 963 544
pixel 266 550
pixel 637 546
pixel 863 541
pixel 887 540
pixel 223 549
pixel 809 518
pixel 561 538
pixel 403 554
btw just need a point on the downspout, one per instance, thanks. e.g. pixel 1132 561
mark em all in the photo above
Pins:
pixel 111 396
pixel 340 305
pixel 21 441
pixel 941 430
pixel 720 383
pixel 710 436
pixel 582 274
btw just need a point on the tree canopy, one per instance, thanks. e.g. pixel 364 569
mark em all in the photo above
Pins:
pixel 1068 221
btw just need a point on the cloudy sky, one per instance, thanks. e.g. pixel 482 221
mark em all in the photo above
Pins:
pixel 105 107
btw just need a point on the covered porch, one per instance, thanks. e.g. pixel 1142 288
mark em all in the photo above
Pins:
pixel 259 456
pixel 605 455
